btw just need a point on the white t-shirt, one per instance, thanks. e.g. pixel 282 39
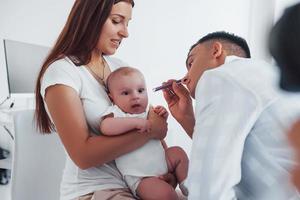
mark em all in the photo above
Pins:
pixel 77 182
pixel 148 160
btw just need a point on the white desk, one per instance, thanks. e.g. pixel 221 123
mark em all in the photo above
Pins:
pixel 6 139
pixel 20 102
pixel 16 103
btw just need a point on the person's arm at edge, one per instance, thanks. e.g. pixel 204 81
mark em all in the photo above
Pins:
pixel 86 151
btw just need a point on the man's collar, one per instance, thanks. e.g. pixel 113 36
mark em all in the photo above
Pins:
pixel 231 58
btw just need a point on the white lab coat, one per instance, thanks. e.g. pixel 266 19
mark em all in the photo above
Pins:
pixel 230 101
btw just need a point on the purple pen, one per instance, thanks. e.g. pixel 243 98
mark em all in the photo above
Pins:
pixel 165 86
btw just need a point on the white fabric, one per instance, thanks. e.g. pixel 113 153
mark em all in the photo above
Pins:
pixel 77 182
pixel 148 160
pixel 238 102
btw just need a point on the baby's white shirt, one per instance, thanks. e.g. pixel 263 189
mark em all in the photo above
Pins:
pixel 148 160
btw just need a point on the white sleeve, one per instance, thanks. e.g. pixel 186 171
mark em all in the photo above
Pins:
pixel 225 113
pixel 108 111
pixel 61 72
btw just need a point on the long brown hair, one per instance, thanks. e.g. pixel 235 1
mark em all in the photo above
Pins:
pixel 77 40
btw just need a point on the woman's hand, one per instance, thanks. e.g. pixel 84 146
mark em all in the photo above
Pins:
pixel 170 179
pixel 142 125
pixel 159 125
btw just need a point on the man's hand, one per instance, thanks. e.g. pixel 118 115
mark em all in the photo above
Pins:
pixel 180 105
pixel 179 100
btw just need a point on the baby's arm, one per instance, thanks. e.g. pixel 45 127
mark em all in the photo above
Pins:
pixel 120 125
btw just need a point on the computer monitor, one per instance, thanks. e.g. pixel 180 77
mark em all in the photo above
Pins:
pixel 23 62
pixel 4 88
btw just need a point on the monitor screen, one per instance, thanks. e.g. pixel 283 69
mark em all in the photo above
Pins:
pixel 4 90
pixel 23 62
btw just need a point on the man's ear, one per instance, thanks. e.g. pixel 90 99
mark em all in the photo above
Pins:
pixel 217 49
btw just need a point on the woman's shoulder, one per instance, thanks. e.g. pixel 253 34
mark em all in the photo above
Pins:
pixel 63 67
pixel 63 64
pixel 61 71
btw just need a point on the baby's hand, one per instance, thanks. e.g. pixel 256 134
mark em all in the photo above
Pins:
pixel 161 111
pixel 143 125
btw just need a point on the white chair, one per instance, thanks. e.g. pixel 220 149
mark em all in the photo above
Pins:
pixel 38 161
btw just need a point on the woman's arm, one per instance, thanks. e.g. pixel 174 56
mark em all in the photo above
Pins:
pixel 164 144
pixel 119 125
pixel 87 151
pixel 169 177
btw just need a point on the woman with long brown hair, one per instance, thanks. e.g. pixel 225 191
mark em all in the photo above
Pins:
pixel 71 96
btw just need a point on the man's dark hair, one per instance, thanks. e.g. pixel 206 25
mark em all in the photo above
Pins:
pixel 241 46
pixel 284 44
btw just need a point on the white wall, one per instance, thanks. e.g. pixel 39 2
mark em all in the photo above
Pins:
pixel 35 21
pixel 32 21
pixel 161 33
pixel 281 5
pixel 260 22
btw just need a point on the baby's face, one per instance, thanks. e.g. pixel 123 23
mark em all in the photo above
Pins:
pixel 129 92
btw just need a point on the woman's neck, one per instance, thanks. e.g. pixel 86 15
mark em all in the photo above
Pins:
pixel 96 57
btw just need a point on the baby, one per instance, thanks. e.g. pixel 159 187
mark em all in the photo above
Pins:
pixel 142 167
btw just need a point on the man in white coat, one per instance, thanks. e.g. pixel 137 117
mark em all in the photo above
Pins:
pixel 240 150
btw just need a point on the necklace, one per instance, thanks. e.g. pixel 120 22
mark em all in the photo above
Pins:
pixel 96 76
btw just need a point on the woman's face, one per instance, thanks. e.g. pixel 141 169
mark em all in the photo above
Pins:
pixel 115 28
